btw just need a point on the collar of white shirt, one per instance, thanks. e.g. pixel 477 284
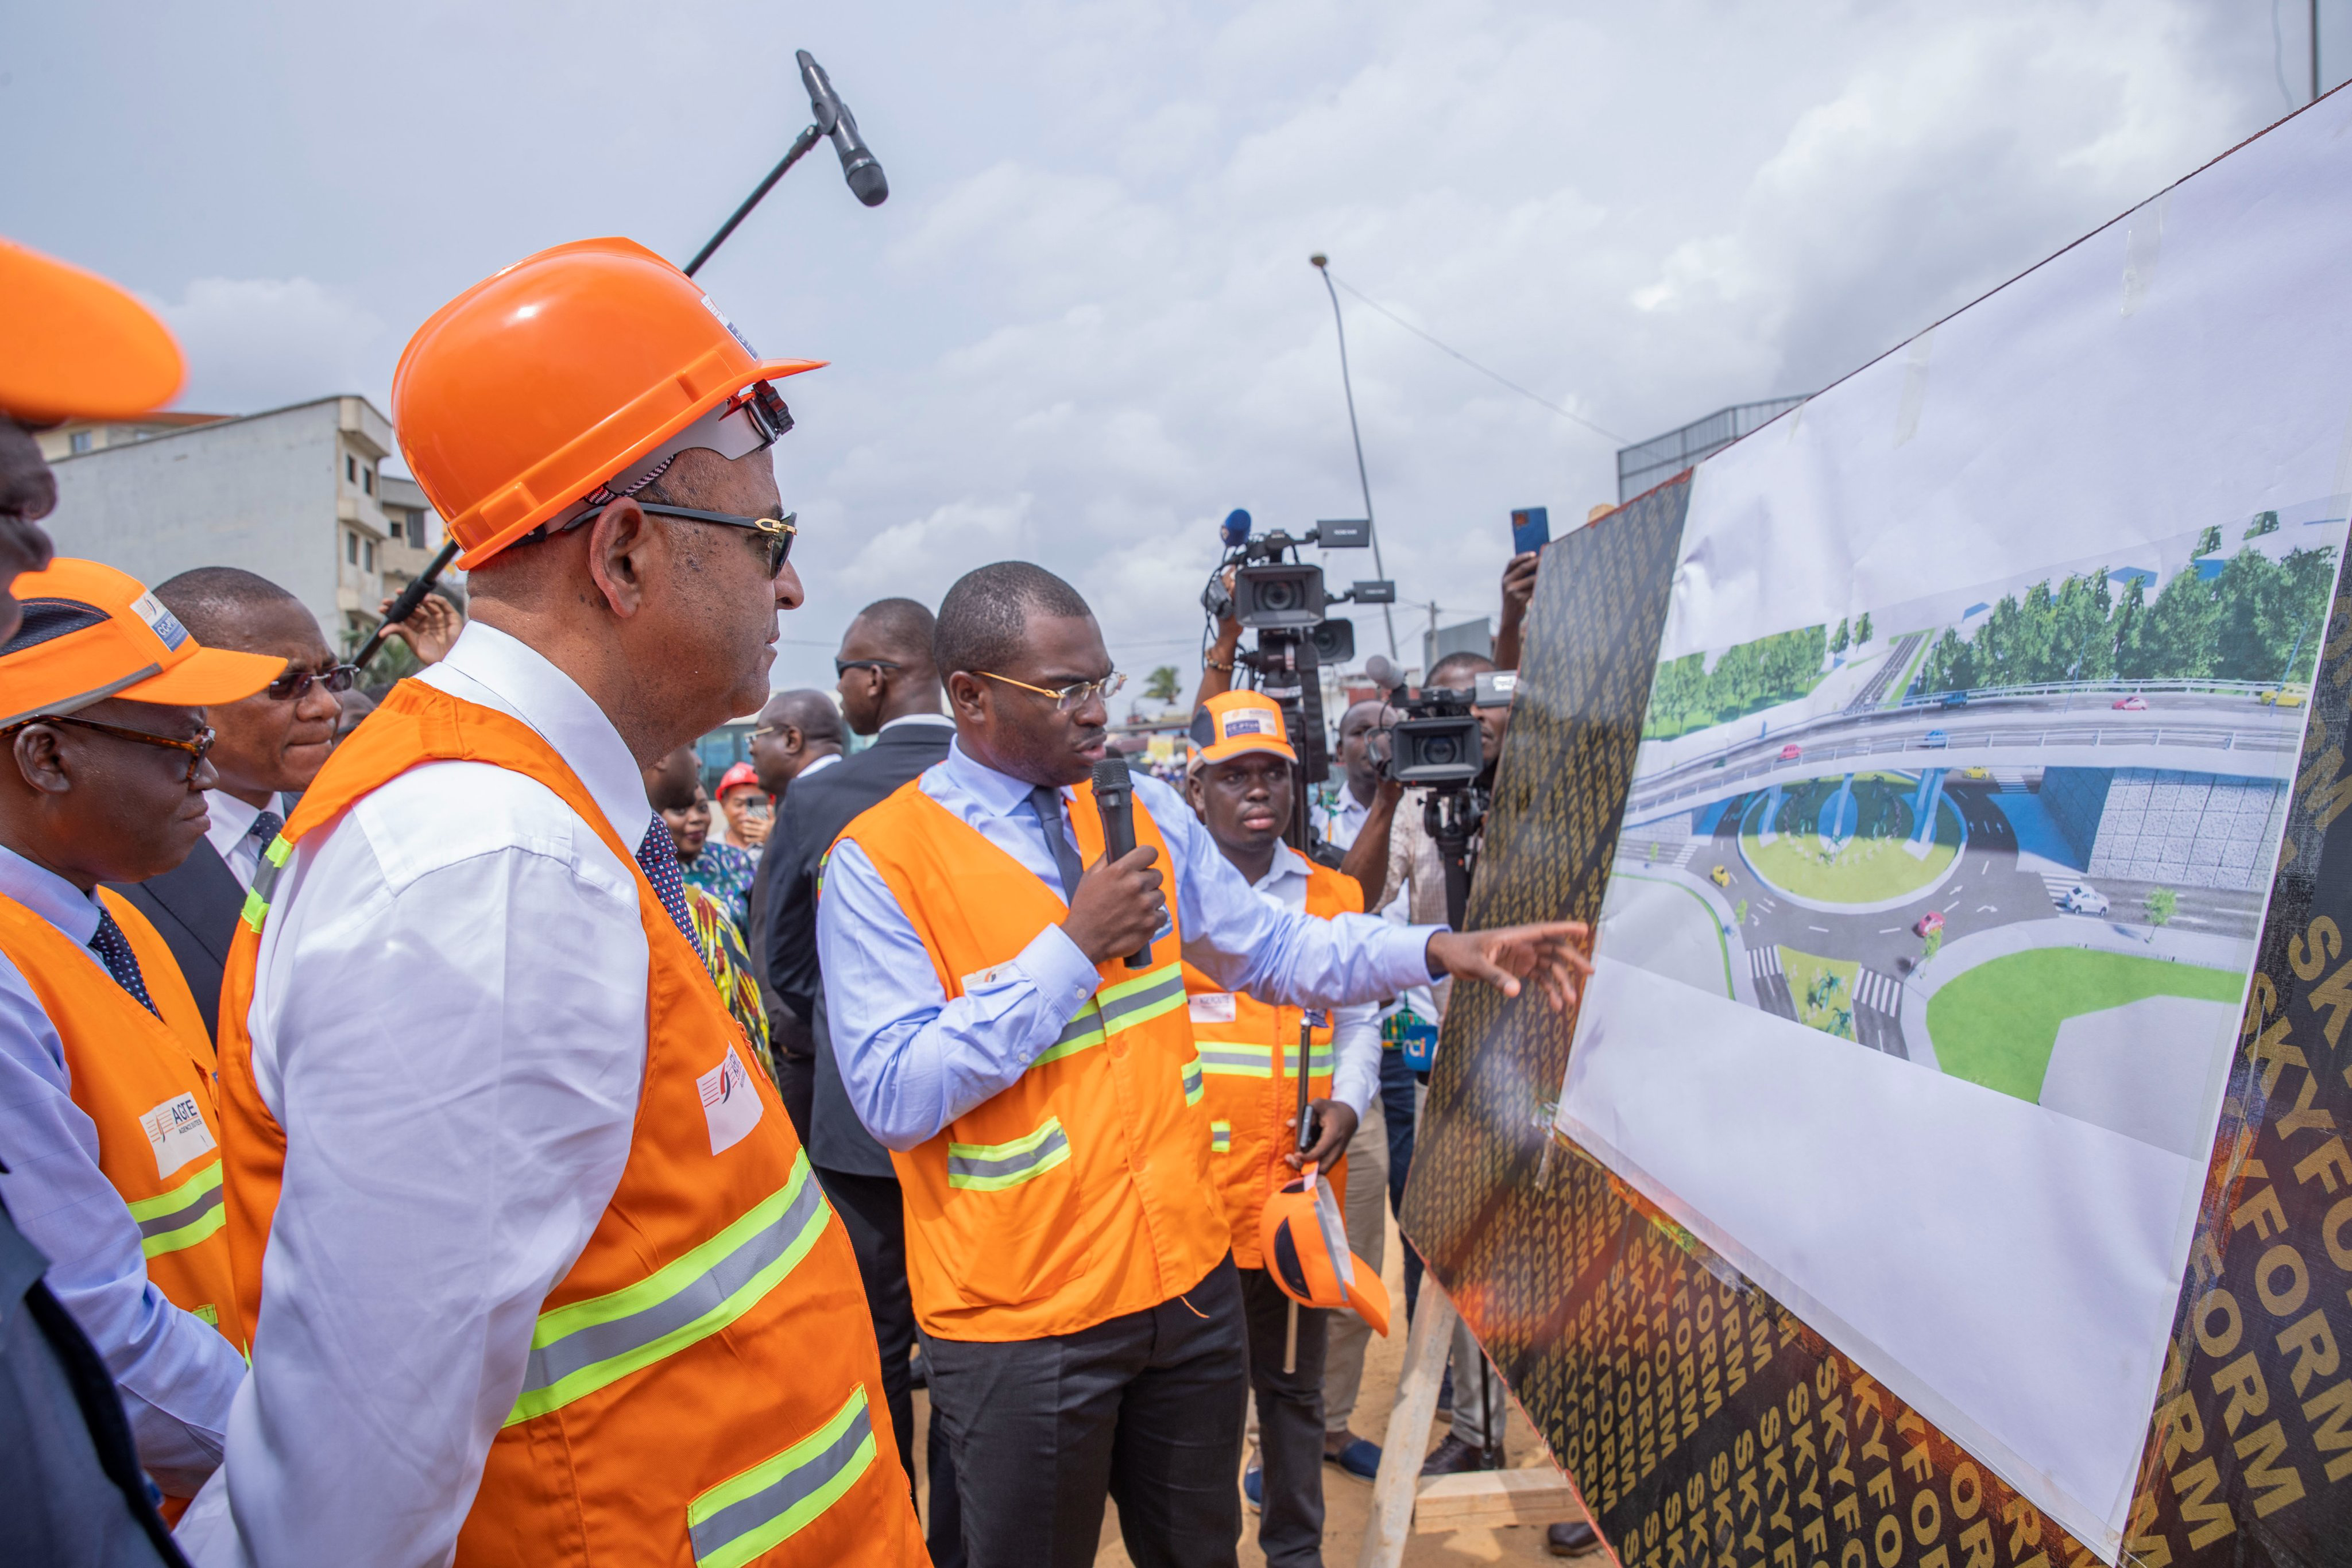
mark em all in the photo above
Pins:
pixel 940 718
pixel 489 667
pixel 1287 863
pixel 232 820
pixel 820 765
pixel 48 896
pixel 998 794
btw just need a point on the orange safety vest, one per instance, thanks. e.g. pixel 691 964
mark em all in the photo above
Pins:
pixel 1082 1192
pixel 1249 1060
pixel 703 1386
pixel 147 1085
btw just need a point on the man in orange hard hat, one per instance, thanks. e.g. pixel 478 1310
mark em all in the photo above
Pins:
pixel 539 1274
pixel 71 345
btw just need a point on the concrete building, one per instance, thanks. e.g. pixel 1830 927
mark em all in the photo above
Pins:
pixel 295 494
pixel 2185 829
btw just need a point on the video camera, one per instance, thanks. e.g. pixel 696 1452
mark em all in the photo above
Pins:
pixel 1282 600
pixel 1439 747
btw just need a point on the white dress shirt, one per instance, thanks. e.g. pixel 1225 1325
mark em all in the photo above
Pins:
pixel 231 832
pixel 912 1060
pixel 449 1153
pixel 177 1373
pixel 1342 826
pixel 1355 1029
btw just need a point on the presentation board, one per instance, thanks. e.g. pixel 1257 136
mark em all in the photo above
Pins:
pixel 1944 1166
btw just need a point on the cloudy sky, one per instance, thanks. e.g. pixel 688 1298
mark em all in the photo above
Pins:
pixel 1084 326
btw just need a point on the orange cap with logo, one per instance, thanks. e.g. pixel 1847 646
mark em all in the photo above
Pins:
pixel 74 346
pixel 92 633
pixel 524 398
pixel 1232 723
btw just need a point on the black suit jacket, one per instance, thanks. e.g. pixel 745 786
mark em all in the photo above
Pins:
pixel 195 907
pixel 816 808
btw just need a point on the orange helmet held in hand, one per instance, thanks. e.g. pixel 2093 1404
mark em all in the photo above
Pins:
pixel 1304 1244
pixel 571 376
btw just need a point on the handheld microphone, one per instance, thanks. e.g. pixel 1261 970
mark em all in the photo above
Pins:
pixel 859 166
pixel 1115 799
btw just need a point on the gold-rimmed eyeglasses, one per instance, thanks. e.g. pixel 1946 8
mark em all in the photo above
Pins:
pixel 196 746
pixel 1069 698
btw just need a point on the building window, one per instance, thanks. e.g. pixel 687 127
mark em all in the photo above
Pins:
pixel 393 524
pixel 81 440
pixel 352 549
pixel 368 552
pixel 367 480
pixel 351 469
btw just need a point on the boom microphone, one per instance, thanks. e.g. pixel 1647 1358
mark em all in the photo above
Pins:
pixel 1235 529
pixel 1381 673
pixel 1115 799
pixel 867 180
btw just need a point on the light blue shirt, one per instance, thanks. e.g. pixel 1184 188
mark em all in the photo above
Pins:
pixel 176 1372
pixel 913 1062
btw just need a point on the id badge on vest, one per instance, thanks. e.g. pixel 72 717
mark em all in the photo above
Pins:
pixel 729 1104
pixel 176 1131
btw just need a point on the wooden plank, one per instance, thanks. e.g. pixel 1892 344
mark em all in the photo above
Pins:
pixel 1408 1435
pixel 1538 1495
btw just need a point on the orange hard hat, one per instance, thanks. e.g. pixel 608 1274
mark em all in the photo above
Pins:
pixel 522 397
pixel 738 776
pixel 1304 1244
pixel 74 346
pixel 92 633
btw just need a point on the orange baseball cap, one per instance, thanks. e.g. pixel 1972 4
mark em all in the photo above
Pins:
pixel 92 633
pixel 1232 723
pixel 74 346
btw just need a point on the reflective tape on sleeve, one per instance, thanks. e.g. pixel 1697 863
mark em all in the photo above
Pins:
pixel 750 1514
pixel 586 1345
pixel 990 1168
pixel 183 1217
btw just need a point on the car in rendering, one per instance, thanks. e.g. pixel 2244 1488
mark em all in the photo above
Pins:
pixel 1954 699
pixel 1791 752
pixel 1976 770
pixel 2282 697
pixel 1928 923
pixel 2083 899
pixel 1720 877
pixel 1936 740
pixel 2132 704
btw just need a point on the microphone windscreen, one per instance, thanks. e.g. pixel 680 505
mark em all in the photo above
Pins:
pixel 1380 672
pixel 1236 527
pixel 1111 773
pixel 867 184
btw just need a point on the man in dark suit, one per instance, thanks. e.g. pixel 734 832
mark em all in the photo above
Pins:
pixel 798 735
pixel 265 748
pixel 890 690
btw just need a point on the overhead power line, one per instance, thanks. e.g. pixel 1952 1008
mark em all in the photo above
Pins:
pixel 1491 375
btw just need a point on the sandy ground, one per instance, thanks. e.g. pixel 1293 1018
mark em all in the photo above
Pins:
pixel 1347 1500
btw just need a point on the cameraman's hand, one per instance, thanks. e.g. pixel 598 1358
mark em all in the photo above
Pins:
pixel 1119 906
pixel 1554 953
pixel 1518 586
pixel 1334 1124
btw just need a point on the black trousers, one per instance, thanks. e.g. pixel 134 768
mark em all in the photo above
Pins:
pixel 796 1085
pixel 872 1212
pixel 1146 1408
pixel 1290 1422
pixel 1397 1109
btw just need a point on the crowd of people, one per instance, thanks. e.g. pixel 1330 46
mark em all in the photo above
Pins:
pixel 694 1129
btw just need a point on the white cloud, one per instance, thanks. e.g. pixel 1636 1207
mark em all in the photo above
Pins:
pixel 263 342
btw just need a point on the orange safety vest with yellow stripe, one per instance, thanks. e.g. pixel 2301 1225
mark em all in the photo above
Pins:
pixel 703 1387
pixel 1081 1192
pixel 1249 1062
pixel 146 1084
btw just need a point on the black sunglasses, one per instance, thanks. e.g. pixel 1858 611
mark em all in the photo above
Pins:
pixel 294 685
pixel 843 666
pixel 195 746
pixel 774 534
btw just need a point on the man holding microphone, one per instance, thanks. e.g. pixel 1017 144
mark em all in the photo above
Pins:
pixel 1069 1256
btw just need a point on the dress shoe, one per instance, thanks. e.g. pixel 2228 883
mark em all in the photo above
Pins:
pixel 1360 1457
pixel 1453 1457
pixel 1570 1540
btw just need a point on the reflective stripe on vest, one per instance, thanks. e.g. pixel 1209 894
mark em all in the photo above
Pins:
pixel 738 1519
pixel 181 1216
pixel 1118 1007
pixel 1194 1088
pixel 587 1345
pixel 1239 1058
pixel 991 1167
pixel 265 881
pixel 1221 1136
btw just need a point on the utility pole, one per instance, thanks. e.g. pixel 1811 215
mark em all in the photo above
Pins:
pixel 2315 51
pixel 1322 266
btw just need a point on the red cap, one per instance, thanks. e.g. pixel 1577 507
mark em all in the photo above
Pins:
pixel 736 777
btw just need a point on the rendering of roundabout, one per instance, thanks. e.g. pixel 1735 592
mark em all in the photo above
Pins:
pixel 1921 914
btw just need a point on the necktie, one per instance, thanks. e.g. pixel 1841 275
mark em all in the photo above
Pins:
pixel 266 827
pixel 658 857
pixel 113 950
pixel 1046 801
